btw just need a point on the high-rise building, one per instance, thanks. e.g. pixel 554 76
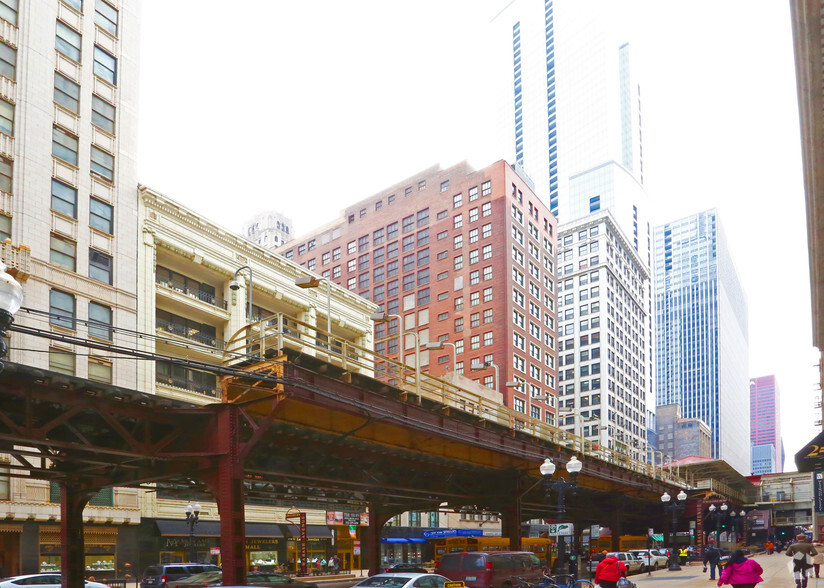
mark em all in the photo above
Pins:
pixel 458 255
pixel 269 229
pixel 603 335
pixel 574 110
pixel 702 332
pixel 765 426
pixel 68 106
pixel 68 210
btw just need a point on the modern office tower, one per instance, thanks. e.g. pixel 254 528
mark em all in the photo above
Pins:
pixel 68 96
pixel 765 426
pixel 465 258
pixel 68 209
pixel 679 437
pixel 603 335
pixel 268 229
pixel 574 110
pixel 701 336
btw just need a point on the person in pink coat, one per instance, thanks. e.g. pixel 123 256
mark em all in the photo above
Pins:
pixel 741 571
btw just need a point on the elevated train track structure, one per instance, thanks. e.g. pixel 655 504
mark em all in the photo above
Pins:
pixel 305 417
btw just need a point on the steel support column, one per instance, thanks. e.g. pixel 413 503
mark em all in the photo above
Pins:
pixel 378 516
pixel 511 522
pixel 227 487
pixel 73 500
pixel 617 526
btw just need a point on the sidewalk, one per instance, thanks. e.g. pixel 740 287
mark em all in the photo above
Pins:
pixel 775 575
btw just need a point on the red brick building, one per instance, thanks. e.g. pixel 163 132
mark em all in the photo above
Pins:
pixel 465 257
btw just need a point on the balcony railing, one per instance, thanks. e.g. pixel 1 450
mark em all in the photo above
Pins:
pixel 207 297
pixel 280 331
pixel 190 334
pixel 17 259
pixel 189 385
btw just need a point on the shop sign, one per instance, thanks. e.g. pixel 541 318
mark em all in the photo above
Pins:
pixel 442 533
pixel 214 551
pixel 262 544
pixel 356 547
pixel 176 543
pixel 337 517
pixel 818 491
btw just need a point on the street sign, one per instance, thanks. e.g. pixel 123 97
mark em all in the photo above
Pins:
pixel 458 584
pixel 595 532
pixel 356 547
pixel 562 530
pixel 650 532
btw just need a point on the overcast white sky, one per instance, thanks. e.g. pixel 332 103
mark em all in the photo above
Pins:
pixel 308 106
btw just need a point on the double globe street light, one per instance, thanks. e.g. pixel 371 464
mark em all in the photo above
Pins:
pixel 192 515
pixel 674 508
pixel 547 469
pixel 11 298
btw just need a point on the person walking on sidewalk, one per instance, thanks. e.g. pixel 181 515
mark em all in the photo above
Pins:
pixel 609 571
pixel 818 558
pixel 712 556
pixel 741 572
pixel 802 553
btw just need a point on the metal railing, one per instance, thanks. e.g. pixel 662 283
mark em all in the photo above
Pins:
pixel 281 331
pixel 190 334
pixel 188 385
pixel 202 295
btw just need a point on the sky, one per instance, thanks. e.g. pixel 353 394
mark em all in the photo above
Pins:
pixel 306 107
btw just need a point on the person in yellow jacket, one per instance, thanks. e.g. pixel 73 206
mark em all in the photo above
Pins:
pixel 683 555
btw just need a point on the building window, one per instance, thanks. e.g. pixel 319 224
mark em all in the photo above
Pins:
pixel 488 339
pixel 61 309
pixel 8 58
pixel 5 227
pixel 102 163
pixel 444 185
pixel 473 215
pixel 62 362
pixel 101 216
pixel 457 200
pixel 486 252
pixel 103 114
pixel 100 321
pixel 8 12
pixel 457 221
pixel 486 188
pixel 105 66
pixel 100 370
pixel 67 42
pixel 105 17
pixel 66 93
pixel 423 217
pixel 76 4
pixel 64 146
pixel 100 266
pixel 5 175
pixel 486 230
pixel 473 193
pixel 63 253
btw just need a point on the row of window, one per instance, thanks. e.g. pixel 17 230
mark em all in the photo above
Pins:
pixel 63 252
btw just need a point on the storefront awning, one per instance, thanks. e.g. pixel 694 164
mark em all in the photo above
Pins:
pixel 173 527
pixel 658 537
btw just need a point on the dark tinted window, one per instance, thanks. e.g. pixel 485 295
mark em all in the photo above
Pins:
pixel 176 570
pixel 450 562
pixel 502 562
pixel 153 571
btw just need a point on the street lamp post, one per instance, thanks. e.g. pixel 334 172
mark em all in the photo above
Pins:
pixel 235 286
pixel 382 317
pixel 306 282
pixel 674 508
pixel 560 486
pixel 437 345
pixel 485 364
pixel 719 514
pixel 192 515
pixel 11 297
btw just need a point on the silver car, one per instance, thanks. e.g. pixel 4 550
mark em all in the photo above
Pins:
pixel 651 558
pixel 634 564
pixel 41 581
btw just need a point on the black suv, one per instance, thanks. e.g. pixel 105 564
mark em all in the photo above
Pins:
pixel 158 575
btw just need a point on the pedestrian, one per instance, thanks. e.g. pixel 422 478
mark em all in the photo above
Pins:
pixel 818 558
pixel 712 556
pixel 683 555
pixel 336 563
pixel 741 571
pixel 770 547
pixel 802 553
pixel 609 571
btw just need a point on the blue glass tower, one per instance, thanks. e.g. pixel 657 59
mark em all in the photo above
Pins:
pixel 701 333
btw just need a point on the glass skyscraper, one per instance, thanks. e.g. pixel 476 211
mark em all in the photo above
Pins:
pixel 701 333
pixel 765 426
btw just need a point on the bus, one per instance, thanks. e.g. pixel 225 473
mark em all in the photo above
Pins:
pixel 537 545
pixel 625 542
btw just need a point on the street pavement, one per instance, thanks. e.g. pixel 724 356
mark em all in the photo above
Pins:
pixel 776 575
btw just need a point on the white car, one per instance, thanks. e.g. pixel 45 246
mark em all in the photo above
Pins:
pixel 41 581
pixel 403 580
pixel 652 558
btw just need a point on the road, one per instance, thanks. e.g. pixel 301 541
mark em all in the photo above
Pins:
pixel 775 575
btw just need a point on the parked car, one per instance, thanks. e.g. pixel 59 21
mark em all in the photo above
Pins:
pixel 41 581
pixel 159 575
pixel 406 567
pixel 480 569
pixel 633 563
pixel 404 580
pixel 271 579
pixel 652 559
